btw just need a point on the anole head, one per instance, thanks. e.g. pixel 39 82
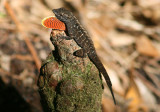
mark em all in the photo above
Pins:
pixel 62 14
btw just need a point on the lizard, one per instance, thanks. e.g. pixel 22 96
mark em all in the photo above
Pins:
pixel 75 31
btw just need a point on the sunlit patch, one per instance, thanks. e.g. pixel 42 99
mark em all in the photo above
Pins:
pixel 53 22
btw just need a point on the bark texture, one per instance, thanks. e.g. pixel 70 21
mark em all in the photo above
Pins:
pixel 68 83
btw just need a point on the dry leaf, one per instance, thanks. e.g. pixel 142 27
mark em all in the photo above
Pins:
pixel 145 47
pixel 148 3
pixel 120 40
pixel 107 105
pixel 146 94
pixel 133 96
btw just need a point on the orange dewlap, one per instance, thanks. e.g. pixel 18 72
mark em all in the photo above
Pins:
pixel 54 23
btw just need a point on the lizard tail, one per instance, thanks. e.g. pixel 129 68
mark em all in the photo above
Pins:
pixel 106 76
pixel 102 70
pixel 110 88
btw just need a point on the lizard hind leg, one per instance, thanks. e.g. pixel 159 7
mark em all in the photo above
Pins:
pixel 80 53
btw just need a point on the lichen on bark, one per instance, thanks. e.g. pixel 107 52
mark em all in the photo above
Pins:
pixel 68 83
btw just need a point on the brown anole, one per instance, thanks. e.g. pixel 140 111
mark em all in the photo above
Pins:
pixel 75 31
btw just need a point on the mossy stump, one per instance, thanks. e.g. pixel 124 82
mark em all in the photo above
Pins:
pixel 68 83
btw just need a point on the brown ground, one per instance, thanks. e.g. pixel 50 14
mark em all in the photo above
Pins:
pixel 126 34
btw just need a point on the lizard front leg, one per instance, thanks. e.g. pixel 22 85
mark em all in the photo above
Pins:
pixel 80 53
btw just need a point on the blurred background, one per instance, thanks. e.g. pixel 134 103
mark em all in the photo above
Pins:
pixel 126 34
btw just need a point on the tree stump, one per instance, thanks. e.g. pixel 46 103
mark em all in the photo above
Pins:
pixel 68 83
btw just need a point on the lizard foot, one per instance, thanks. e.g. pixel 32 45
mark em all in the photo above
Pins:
pixel 80 53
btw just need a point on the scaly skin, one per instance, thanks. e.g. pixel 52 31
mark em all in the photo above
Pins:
pixel 79 34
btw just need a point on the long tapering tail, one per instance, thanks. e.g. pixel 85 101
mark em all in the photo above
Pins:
pixel 94 58
pixel 108 81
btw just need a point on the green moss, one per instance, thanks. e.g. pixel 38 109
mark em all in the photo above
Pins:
pixel 86 99
pixel 78 91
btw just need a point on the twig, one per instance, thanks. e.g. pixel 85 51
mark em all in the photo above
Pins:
pixel 22 57
pixel 152 76
pixel 147 83
pixel 26 39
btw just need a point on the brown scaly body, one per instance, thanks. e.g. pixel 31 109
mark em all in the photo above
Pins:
pixel 79 34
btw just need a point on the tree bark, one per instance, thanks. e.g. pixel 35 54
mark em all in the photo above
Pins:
pixel 68 83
